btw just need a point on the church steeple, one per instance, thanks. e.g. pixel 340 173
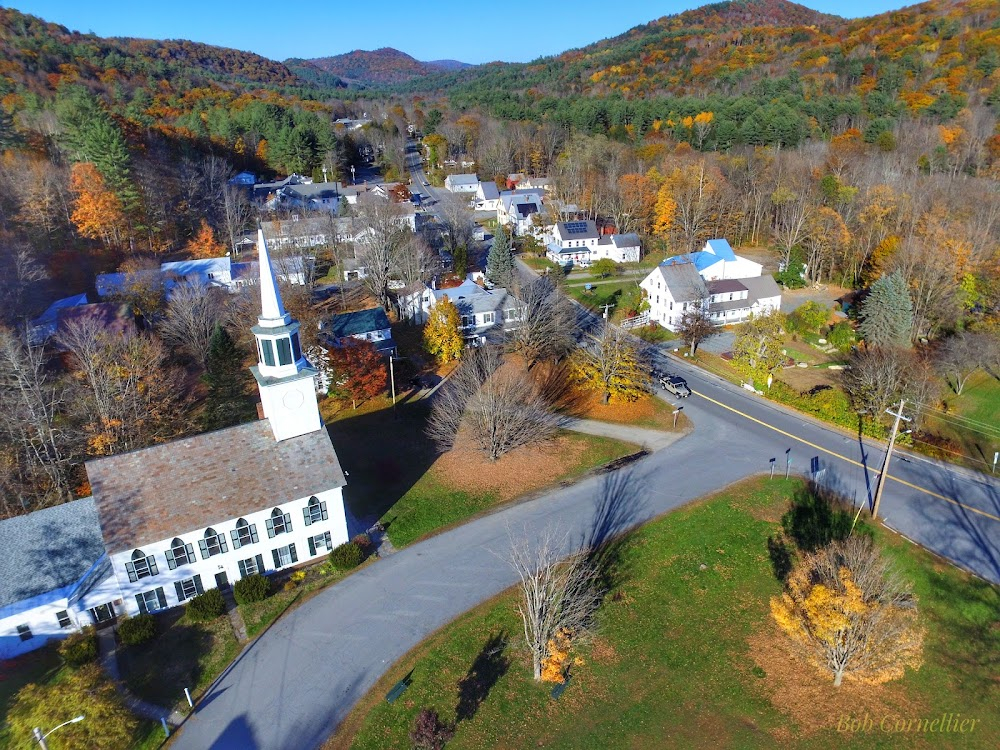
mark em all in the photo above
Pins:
pixel 284 378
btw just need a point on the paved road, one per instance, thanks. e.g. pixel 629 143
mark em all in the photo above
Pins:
pixel 291 687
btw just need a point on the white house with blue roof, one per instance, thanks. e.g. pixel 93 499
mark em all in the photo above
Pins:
pixel 718 261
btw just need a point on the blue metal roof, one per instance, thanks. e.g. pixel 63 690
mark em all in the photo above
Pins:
pixel 722 249
pixel 701 260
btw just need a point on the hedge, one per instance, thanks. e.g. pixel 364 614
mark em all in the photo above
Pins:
pixel 206 606
pixel 251 589
pixel 136 630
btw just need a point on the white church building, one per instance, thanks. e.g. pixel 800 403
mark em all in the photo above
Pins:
pixel 167 522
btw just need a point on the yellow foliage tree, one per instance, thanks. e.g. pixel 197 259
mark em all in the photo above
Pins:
pixel 204 244
pixel 97 211
pixel 852 614
pixel 442 336
pixel 557 661
pixel 666 210
pixel 612 365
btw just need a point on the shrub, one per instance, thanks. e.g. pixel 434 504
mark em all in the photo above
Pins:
pixel 842 336
pixel 348 555
pixel 206 606
pixel 136 630
pixel 80 648
pixel 251 589
pixel 429 732
pixel 298 576
pixel 808 317
pixel 366 545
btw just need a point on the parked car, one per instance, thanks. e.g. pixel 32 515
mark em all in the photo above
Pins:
pixel 676 385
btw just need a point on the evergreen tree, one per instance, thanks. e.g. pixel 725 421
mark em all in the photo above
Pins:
pixel 500 261
pixel 886 315
pixel 227 403
pixel 460 261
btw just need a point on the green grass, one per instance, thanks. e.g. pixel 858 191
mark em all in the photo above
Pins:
pixel 969 428
pixel 673 666
pixel 431 505
pixel 259 615
pixel 541 265
pixel 183 655
pixel 603 292
pixel 39 666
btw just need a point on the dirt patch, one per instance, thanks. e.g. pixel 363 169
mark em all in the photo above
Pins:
pixel 806 378
pixel 808 697
pixel 513 474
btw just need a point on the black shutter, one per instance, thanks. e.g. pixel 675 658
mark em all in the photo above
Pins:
pixel 312 547
pixel 161 598
pixel 180 591
pixel 270 528
pixel 223 544
pixel 171 562
pixel 243 569
pixel 326 538
pixel 288 522
pixel 130 569
pixel 236 538
pixel 307 516
pixel 260 564
pixel 141 601
pixel 277 558
pixel 291 549
pixel 203 546
pixel 151 562
pixel 253 533
pixel 322 507
pixel 198 586
pixel 189 548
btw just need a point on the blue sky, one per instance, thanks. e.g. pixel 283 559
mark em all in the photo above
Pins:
pixel 467 30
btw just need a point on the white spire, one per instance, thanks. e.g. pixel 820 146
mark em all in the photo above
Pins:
pixel 272 311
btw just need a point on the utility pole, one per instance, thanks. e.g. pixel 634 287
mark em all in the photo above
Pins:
pixel 888 455
pixel 606 308
pixel 392 381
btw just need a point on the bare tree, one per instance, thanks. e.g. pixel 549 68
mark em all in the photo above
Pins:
pixel 547 325
pixel 192 313
pixel 414 260
pixel 559 592
pixel 32 416
pixel 384 236
pixel 878 378
pixel 960 357
pixel 237 211
pixel 496 403
pixel 19 271
pixel 457 220
pixel 695 325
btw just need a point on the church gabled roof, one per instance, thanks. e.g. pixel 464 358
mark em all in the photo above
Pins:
pixel 186 485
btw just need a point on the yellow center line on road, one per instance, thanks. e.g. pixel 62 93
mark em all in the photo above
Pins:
pixel 848 460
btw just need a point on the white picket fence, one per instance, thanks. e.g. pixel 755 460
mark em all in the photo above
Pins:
pixel 640 320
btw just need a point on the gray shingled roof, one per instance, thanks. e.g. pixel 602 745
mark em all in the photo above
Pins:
pixel 48 549
pixel 761 287
pixel 359 321
pixel 721 286
pixel 185 485
pixel 683 281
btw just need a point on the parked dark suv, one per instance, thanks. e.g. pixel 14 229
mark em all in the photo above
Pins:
pixel 676 385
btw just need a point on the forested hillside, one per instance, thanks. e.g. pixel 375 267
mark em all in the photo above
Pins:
pixel 384 66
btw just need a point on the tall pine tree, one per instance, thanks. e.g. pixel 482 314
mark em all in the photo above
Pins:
pixel 886 315
pixel 227 403
pixel 500 261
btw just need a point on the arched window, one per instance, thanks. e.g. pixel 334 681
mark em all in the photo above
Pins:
pixel 214 543
pixel 315 511
pixel 244 533
pixel 142 566
pixel 278 523
pixel 179 554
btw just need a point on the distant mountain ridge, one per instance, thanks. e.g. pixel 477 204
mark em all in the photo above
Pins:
pixel 379 67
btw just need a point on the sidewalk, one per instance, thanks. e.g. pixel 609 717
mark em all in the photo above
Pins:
pixel 109 662
pixel 651 440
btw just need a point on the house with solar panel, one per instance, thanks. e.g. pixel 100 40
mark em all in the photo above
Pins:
pixel 579 243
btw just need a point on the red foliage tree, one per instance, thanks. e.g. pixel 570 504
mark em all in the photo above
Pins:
pixel 359 370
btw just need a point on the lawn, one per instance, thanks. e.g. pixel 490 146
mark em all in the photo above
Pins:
pixel 969 424
pixel 606 292
pixel 686 655
pixel 37 666
pixel 259 615
pixel 183 655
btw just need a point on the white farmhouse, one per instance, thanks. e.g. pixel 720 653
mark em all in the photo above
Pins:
pixel 671 290
pixel 461 183
pixel 517 210
pixel 580 243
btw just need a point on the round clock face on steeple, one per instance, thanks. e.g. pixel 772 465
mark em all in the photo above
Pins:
pixel 293 400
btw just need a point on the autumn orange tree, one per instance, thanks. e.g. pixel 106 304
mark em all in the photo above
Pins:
pixel 442 336
pixel 97 212
pixel 203 244
pixel 851 612
pixel 360 371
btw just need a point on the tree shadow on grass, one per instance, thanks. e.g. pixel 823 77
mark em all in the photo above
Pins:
pixel 490 664
pixel 819 514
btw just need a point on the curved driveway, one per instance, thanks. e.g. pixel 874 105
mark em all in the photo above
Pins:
pixel 291 687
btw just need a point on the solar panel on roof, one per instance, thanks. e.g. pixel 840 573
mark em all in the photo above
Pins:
pixel 576 227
